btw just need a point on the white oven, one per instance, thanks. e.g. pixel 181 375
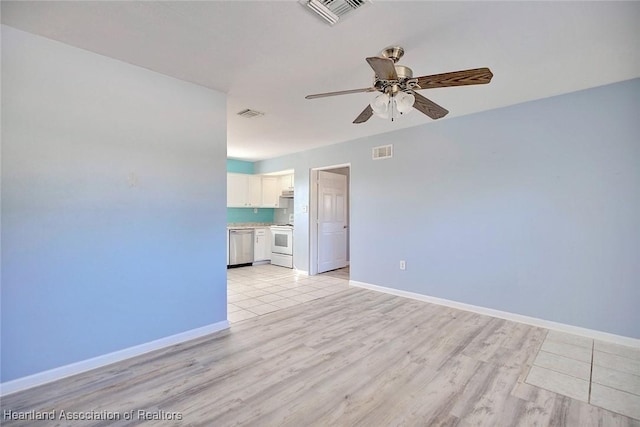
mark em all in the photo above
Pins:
pixel 282 245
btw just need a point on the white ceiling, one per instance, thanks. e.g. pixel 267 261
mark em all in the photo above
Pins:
pixel 267 55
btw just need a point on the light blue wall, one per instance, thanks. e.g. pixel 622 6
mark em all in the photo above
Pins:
pixel 531 209
pixel 113 222
pixel 236 215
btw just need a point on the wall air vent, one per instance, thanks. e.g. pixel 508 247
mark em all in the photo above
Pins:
pixel 332 11
pixel 248 113
pixel 382 152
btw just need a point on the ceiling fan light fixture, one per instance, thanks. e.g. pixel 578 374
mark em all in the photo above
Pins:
pixel 404 102
pixel 380 104
pixel 392 105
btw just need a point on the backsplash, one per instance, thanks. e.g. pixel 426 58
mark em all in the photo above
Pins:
pixel 281 215
pixel 235 215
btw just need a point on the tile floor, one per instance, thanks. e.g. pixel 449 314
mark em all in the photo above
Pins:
pixel 261 289
pixel 602 374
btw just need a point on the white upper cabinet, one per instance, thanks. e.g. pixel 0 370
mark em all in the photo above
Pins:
pixel 286 182
pixel 236 190
pixel 270 191
pixel 256 191
pixel 243 190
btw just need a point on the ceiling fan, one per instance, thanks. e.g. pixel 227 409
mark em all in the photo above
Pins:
pixel 398 87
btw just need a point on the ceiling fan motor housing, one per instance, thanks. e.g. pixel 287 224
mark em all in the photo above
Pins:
pixel 404 82
pixel 403 72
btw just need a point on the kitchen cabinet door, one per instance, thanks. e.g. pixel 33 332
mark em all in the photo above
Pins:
pixel 243 190
pixel 237 186
pixel 286 182
pixel 270 192
pixel 262 244
pixel 254 191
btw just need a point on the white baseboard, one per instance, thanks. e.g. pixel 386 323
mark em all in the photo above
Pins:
pixel 40 378
pixel 547 324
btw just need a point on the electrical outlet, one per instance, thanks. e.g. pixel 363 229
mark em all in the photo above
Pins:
pixel 403 265
pixel 255 210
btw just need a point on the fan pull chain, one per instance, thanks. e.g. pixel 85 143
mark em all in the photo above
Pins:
pixel 391 102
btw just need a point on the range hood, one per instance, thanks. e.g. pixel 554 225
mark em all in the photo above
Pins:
pixel 288 194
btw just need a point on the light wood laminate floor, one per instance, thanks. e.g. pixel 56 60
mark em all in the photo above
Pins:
pixel 354 358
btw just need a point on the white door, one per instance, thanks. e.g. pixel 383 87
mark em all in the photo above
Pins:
pixel 332 221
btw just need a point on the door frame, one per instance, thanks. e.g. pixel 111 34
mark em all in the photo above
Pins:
pixel 313 214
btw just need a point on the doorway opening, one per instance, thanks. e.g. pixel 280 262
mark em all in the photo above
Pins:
pixel 329 205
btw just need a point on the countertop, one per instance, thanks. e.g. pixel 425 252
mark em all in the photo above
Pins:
pixel 245 226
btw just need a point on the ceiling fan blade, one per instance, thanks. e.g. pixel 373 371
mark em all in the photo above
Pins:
pixel 341 92
pixel 383 68
pixel 476 76
pixel 365 115
pixel 428 107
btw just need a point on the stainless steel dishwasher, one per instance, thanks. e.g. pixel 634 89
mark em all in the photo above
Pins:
pixel 240 247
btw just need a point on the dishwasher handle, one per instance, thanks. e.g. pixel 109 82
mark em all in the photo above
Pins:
pixel 241 231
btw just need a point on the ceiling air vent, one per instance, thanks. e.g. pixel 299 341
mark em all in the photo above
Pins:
pixel 248 113
pixel 382 152
pixel 332 11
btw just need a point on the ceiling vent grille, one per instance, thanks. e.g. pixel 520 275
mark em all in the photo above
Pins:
pixel 248 113
pixel 382 152
pixel 331 11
